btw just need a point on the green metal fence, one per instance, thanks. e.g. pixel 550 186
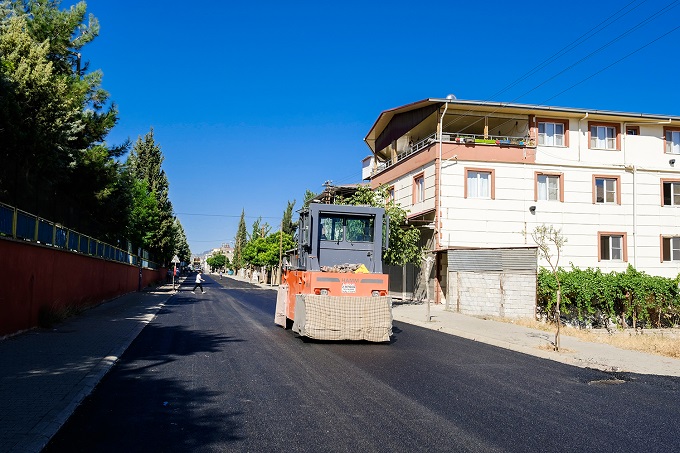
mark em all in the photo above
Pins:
pixel 24 226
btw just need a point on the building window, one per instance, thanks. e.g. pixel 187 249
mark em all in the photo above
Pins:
pixel 670 249
pixel 418 188
pixel 612 247
pixel 632 130
pixel 670 193
pixel 607 189
pixel 672 140
pixel 552 132
pixel 479 183
pixel 548 187
pixel 390 194
pixel 604 136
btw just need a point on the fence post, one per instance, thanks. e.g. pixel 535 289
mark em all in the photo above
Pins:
pixel 139 263
pixel 15 219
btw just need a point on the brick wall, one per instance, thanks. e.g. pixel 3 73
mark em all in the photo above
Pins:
pixel 503 294
pixel 35 277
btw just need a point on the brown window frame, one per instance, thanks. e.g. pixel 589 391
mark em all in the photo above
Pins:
pixel 624 245
pixel 565 124
pixel 492 188
pixel 420 175
pixel 636 130
pixel 545 173
pixel 663 238
pixel 664 181
pixel 618 187
pixel 667 129
pixel 617 129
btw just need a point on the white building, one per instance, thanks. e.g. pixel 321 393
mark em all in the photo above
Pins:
pixel 609 180
pixel 225 250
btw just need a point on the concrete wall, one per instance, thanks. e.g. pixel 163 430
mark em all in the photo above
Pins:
pixel 35 278
pixel 492 294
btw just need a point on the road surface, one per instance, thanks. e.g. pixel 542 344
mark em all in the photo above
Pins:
pixel 213 373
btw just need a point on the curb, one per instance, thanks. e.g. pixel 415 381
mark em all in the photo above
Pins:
pixel 42 432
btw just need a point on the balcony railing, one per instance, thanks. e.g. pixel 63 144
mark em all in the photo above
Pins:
pixel 453 137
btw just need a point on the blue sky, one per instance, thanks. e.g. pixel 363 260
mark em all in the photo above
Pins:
pixel 252 103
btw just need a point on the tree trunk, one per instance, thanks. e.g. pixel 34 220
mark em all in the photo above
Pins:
pixel 634 319
pixel 557 318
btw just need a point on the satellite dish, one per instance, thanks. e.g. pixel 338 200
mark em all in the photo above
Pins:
pixel 451 96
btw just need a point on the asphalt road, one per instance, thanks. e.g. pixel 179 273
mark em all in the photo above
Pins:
pixel 213 373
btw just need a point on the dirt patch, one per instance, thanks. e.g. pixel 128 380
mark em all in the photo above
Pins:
pixel 664 342
pixel 551 347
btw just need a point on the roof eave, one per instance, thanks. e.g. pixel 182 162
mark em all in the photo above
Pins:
pixel 385 117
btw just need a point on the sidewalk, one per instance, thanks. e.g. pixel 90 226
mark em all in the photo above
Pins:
pixel 46 373
pixel 573 351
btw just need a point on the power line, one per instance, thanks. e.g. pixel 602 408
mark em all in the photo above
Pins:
pixel 601 70
pixel 617 61
pixel 621 36
pixel 346 179
pixel 574 44
pixel 213 240
pixel 227 215
pixel 577 42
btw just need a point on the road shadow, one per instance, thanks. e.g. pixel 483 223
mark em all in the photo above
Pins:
pixel 150 400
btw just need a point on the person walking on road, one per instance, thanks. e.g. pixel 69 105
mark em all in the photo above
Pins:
pixel 199 280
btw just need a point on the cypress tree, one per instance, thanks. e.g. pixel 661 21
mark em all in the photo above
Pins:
pixel 145 164
pixel 241 241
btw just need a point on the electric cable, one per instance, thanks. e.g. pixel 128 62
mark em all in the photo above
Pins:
pixel 640 24
pixel 621 36
pixel 577 42
pixel 614 63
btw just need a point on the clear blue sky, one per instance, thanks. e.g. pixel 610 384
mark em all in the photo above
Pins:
pixel 254 102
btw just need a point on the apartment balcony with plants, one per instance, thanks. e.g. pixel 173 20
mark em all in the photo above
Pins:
pixel 483 131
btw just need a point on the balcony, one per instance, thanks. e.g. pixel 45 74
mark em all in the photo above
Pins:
pixel 456 138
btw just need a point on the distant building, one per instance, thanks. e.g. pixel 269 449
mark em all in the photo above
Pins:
pixel 225 250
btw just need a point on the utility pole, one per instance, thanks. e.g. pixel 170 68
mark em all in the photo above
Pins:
pixel 280 253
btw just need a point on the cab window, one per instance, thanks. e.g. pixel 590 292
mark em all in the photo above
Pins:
pixel 331 228
pixel 360 229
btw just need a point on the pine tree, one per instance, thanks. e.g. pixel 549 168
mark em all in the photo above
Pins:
pixel 287 224
pixel 256 231
pixel 181 245
pixel 309 195
pixel 145 164
pixel 55 117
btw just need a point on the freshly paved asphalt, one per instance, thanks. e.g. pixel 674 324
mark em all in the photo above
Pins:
pixel 46 374
pixel 573 351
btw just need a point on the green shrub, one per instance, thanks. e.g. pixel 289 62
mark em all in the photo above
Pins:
pixel 630 298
